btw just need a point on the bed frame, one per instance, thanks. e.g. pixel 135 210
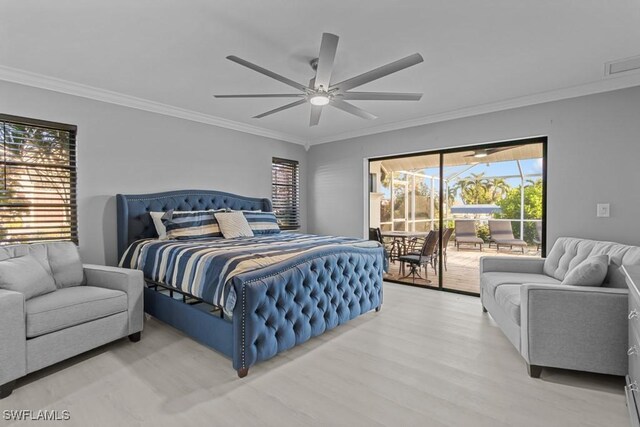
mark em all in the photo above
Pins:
pixel 278 307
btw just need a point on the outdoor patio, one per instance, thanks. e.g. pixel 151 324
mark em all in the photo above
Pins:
pixel 462 272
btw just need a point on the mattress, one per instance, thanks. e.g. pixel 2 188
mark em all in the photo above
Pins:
pixel 204 268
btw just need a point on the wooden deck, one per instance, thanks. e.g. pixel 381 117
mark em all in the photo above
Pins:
pixel 462 272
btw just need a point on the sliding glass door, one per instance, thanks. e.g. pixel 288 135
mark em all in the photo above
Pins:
pixel 439 212
pixel 404 205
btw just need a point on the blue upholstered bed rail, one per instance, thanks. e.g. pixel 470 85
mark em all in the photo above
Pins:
pixel 287 304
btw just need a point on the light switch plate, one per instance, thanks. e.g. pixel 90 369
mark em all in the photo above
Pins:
pixel 603 210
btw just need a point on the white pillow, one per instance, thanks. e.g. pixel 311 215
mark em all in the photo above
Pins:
pixel 233 224
pixel 590 272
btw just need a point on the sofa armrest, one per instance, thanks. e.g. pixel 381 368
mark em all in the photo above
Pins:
pixel 511 265
pixel 13 341
pixel 121 279
pixel 575 327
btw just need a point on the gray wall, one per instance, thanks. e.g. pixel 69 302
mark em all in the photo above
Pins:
pixel 593 156
pixel 124 150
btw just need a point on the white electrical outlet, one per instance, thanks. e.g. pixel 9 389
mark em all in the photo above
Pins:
pixel 602 210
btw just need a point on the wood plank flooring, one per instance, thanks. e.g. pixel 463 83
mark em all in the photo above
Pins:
pixel 428 358
pixel 462 272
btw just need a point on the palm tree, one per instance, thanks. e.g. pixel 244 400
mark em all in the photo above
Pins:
pixel 498 189
pixel 474 189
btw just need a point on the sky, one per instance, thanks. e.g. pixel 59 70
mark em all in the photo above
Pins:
pixel 495 169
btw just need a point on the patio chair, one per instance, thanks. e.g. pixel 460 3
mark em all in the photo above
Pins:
pixel 466 233
pixel 424 258
pixel 538 239
pixel 502 235
pixel 391 251
pixel 446 236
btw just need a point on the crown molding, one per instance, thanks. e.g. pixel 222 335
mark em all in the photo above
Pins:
pixel 28 78
pixel 607 84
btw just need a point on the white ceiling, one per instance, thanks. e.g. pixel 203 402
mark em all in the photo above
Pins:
pixel 477 54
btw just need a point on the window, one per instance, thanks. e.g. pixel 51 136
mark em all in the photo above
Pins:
pixel 37 181
pixel 285 180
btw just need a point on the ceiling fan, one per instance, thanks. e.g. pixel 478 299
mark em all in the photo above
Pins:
pixel 321 91
pixel 484 152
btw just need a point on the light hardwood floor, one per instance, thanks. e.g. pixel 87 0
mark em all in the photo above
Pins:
pixel 428 358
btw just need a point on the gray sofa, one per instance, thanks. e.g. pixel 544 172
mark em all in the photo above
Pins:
pixel 562 326
pixel 52 307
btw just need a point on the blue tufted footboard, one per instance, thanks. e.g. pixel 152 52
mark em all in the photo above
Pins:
pixel 285 305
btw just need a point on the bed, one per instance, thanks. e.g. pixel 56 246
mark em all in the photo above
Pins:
pixel 260 310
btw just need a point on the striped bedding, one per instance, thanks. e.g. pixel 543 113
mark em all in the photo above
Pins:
pixel 204 268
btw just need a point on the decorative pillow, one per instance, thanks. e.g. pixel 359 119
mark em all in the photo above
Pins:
pixel 234 224
pixel 65 263
pixel 590 272
pixel 157 221
pixel 262 222
pixel 25 275
pixel 191 225
pixel 160 227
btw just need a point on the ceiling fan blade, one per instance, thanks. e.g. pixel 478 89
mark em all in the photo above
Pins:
pixel 352 109
pixel 316 110
pixel 284 107
pixel 263 95
pixel 497 150
pixel 328 48
pixel 382 96
pixel 379 72
pixel 266 72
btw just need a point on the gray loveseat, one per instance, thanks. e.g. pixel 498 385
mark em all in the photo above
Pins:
pixel 52 307
pixel 562 326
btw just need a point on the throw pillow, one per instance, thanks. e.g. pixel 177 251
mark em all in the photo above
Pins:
pixel 191 225
pixel 25 275
pixel 590 272
pixel 234 224
pixel 262 222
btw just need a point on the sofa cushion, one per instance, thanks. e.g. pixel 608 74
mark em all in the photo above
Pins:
pixel 590 272
pixel 492 280
pixel 568 252
pixel 508 298
pixel 71 306
pixel 26 275
pixel 59 259
pixel 65 263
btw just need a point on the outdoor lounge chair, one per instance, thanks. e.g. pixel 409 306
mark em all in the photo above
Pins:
pixel 466 233
pixel 502 235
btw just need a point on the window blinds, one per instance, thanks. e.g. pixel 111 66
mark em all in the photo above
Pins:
pixel 37 181
pixel 285 180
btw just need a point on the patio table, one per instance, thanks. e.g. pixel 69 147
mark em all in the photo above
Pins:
pixel 402 236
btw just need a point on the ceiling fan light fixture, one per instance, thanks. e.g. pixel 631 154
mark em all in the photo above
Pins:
pixel 480 154
pixel 319 99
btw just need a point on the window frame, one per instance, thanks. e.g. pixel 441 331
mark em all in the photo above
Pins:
pixel 294 206
pixel 72 182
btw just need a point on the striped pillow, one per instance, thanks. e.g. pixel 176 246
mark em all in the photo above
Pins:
pixel 262 222
pixel 191 225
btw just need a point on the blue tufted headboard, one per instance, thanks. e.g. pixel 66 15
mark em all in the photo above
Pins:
pixel 134 221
